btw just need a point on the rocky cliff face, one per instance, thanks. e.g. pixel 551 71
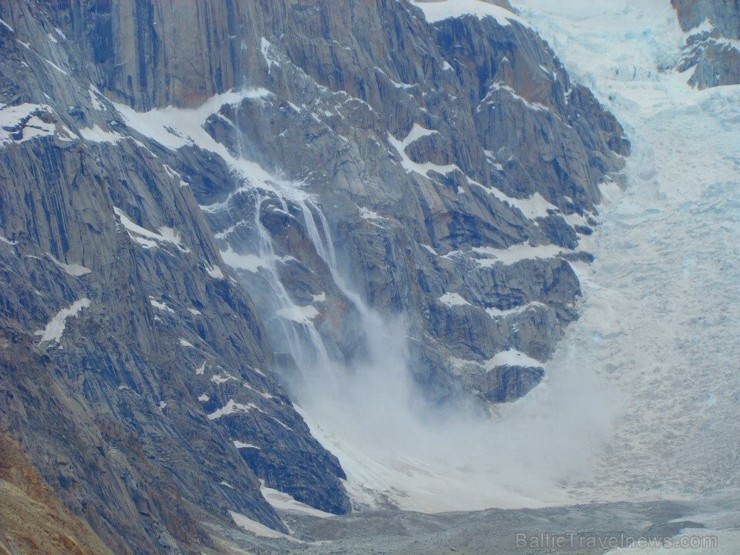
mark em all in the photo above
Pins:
pixel 31 517
pixel 199 201
pixel 712 45
pixel 453 161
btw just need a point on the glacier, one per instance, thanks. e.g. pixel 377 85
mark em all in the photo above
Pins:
pixel 661 315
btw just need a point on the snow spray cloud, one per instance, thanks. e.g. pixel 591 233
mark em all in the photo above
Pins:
pixel 371 415
pixel 395 448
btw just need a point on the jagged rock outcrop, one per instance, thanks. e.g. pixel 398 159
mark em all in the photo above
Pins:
pixel 197 197
pixel 712 46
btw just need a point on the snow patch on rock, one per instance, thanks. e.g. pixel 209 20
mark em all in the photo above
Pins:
pixel 55 328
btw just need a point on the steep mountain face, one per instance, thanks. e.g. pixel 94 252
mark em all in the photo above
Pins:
pixel 200 203
pixel 436 150
pixel 712 45
pixel 134 370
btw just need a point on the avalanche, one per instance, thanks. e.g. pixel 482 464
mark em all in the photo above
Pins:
pixel 642 398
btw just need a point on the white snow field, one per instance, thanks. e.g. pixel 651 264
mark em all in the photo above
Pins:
pixel 642 399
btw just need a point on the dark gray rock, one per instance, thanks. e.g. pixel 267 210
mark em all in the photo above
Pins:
pixel 507 383
pixel 711 49
pixel 721 14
